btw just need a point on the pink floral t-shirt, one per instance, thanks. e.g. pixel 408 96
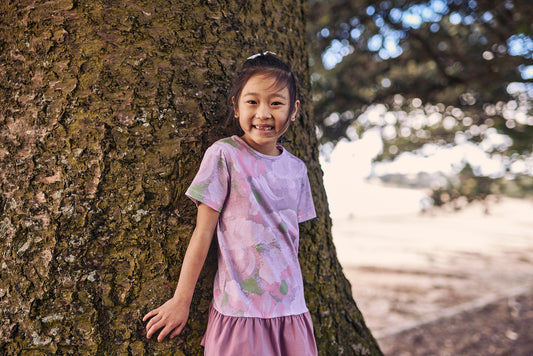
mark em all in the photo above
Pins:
pixel 261 200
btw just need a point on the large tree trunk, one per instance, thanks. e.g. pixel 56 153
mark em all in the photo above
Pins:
pixel 106 108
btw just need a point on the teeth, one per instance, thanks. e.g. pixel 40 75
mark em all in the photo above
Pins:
pixel 264 128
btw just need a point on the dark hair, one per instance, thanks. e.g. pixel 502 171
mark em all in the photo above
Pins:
pixel 268 64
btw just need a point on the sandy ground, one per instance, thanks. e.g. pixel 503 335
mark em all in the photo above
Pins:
pixel 419 277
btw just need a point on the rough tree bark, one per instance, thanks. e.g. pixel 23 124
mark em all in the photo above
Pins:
pixel 106 108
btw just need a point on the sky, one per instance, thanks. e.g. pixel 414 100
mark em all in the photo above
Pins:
pixel 347 167
pixel 350 195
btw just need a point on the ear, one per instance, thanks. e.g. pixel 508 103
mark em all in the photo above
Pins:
pixel 296 106
pixel 235 109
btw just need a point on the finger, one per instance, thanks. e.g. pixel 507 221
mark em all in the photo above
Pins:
pixel 176 331
pixel 152 329
pixel 164 333
pixel 149 332
pixel 153 321
pixel 150 314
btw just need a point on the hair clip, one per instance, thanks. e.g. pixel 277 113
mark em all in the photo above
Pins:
pixel 260 54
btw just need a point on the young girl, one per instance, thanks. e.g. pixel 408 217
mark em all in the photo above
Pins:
pixel 254 192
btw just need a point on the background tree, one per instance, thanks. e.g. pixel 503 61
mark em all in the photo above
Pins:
pixel 440 72
pixel 106 108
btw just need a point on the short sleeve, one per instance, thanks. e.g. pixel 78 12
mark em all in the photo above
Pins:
pixel 306 208
pixel 210 185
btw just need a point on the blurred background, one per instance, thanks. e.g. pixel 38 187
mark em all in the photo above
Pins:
pixel 425 118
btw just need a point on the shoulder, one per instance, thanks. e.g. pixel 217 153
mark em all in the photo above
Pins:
pixel 226 151
pixel 228 145
pixel 222 147
pixel 289 156
pixel 295 162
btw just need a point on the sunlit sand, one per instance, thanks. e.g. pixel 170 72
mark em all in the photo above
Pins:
pixel 408 267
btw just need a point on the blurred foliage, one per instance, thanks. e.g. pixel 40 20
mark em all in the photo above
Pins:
pixel 441 72
pixel 470 187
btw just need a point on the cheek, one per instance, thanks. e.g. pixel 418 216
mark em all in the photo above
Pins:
pixel 242 122
pixel 284 118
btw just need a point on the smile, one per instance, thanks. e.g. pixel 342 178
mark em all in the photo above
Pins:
pixel 263 127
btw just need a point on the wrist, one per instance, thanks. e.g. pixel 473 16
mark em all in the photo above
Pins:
pixel 182 299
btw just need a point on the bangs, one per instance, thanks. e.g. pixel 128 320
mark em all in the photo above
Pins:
pixel 281 78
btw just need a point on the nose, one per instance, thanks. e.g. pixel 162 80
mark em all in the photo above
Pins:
pixel 263 111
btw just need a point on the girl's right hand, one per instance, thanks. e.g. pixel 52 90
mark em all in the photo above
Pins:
pixel 170 317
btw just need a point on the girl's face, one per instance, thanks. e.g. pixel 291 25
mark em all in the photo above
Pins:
pixel 263 111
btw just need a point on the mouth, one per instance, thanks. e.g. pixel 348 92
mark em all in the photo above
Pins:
pixel 263 127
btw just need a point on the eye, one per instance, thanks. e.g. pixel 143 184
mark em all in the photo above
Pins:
pixel 276 103
pixel 252 102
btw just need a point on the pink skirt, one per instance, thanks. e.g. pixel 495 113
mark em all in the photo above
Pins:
pixel 288 336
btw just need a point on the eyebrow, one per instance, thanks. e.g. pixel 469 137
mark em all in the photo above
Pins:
pixel 274 95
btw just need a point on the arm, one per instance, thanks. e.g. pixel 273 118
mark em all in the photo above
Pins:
pixel 172 316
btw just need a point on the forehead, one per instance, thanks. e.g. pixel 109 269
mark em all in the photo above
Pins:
pixel 266 84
